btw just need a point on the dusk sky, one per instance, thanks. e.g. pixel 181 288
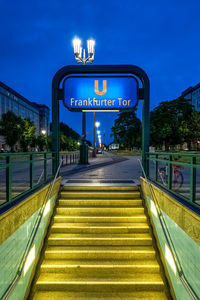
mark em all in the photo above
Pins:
pixel 160 36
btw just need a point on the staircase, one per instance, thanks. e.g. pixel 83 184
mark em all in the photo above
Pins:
pixel 100 247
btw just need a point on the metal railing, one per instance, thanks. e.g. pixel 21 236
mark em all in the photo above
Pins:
pixel 30 242
pixel 21 173
pixel 73 158
pixel 178 173
pixel 191 292
pixel 70 158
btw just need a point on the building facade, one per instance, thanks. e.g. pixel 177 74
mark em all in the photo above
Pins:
pixel 193 94
pixel 10 100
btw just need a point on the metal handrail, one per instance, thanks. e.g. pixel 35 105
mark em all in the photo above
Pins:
pixel 40 177
pixel 174 153
pixel 30 242
pixel 170 243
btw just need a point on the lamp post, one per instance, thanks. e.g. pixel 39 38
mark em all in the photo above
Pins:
pixel 84 60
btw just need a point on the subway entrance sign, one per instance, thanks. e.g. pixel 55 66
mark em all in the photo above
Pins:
pixel 105 93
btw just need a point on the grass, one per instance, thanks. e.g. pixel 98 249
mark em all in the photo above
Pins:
pixel 127 152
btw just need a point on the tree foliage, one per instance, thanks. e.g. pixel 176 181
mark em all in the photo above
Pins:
pixel 127 129
pixel 42 142
pixel 11 128
pixel 27 134
pixel 174 122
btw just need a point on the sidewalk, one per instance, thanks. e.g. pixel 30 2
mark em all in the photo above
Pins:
pixel 105 167
pixel 94 162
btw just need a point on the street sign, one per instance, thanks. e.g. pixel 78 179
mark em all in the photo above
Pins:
pixel 100 92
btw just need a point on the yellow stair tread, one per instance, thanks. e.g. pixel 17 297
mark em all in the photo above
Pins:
pixel 103 194
pixel 155 278
pixel 100 219
pixel 67 225
pixel 100 225
pixel 136 295
pixel 99 263
pixel 100 236
pixel 99 202
pixel 123 248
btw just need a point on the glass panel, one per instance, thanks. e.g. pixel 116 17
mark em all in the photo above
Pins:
pixel 152 168
pixel 49 166
pixel 2 183
pixel 181 180
pixel 38 169
pixel 163 171
pixel 20 174
pixel 198 187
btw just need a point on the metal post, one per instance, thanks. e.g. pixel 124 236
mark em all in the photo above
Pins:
pixel 145 124
pixel 94 151
pixel 55 122
pixel 83 126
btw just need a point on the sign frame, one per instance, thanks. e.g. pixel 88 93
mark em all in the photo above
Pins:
pixel 58 94
pixel 103 109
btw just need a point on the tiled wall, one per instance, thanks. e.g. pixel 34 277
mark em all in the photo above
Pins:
pixel 187 249
pixel 12 249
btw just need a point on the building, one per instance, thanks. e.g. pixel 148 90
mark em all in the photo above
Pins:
pixel 10 100
pixel 193 94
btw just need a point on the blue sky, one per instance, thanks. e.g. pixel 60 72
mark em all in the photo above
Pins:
pixel 162 37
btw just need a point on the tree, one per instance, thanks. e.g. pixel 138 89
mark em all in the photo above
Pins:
pixel 11 128
pixel 41 142
pixel 127 129
pixel 27 135
pixel 190 130
pixel 169 122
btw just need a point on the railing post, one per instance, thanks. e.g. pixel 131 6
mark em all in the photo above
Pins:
pixel 31 171
pixel 193 179
pixel 8 179
pixel 170 173
pixel 45 167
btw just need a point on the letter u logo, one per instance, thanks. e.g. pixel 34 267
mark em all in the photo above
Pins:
pixel 96 87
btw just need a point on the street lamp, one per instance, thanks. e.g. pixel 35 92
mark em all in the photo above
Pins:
pixel 43 131
pixel 78 51
pixel 97 124
pixel 84 60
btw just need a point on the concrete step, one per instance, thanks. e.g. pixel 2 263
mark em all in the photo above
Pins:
pixel 136 295
pixel 66 228
pixel 98 219
pixel 100 239
pixel 100 202
pixel 99 211
pixel 68 282
pixel 122 268
pixel 101 195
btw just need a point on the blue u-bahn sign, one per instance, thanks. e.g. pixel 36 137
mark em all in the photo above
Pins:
pixel 100 92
